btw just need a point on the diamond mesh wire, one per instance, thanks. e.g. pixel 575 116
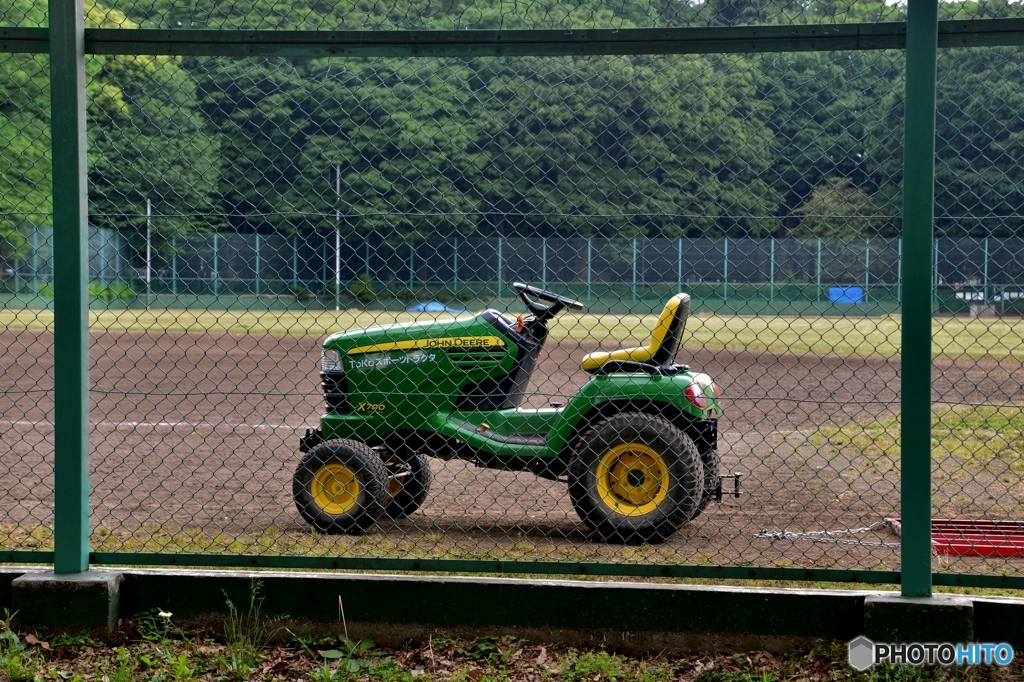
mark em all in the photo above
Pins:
pixel 978 374
pixel 26 323
pixel 390 14
pixel 243 210
pixel 480 15
pixel 393 14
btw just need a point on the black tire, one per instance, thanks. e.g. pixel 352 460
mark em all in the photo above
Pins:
pixel 711 461
pixel 408 492
pixel 340 487
pixel 635 479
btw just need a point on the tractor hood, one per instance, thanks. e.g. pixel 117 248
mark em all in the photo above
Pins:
pixel 419 369
pixel 469 332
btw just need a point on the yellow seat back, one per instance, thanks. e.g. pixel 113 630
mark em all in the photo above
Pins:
pixel 663 345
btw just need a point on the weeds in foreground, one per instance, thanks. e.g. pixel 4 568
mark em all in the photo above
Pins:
pixel 597 666
pixel 155 625
pixel 124 667
pixel 200 654
pixel 340 662
pixel 248 634
pixel 15 661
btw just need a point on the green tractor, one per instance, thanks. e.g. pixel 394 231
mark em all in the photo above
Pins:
pixel 637 445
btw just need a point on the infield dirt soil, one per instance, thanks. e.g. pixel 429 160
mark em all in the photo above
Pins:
pixel 198 433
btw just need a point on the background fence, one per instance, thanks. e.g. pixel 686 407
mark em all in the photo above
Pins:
pixel 545 138
pixel 611 275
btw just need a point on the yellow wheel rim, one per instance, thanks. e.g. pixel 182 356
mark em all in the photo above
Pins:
pixel 335 488
pixel 632 479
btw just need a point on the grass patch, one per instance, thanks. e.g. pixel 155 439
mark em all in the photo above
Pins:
pixel 977 434
pixel 200 654
pixel 977 464
pixel 953 337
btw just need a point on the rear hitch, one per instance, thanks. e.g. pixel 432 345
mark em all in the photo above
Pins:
pixel 735 492
pixel 315 437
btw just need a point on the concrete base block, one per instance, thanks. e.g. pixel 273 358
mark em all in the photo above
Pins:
pixel 910 619
pixel 1000 620
pixel 68 601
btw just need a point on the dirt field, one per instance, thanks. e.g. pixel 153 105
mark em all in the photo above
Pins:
pixel 198 434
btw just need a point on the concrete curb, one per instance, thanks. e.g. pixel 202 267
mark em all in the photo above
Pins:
pixel 635 617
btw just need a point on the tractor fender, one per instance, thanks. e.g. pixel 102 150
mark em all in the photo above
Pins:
pixel 605 396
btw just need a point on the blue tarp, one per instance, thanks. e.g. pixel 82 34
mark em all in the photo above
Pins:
pixel 435 307
pixel 846 294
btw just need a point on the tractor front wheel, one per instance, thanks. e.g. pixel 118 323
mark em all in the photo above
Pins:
pixel 341 487
pixel 636 479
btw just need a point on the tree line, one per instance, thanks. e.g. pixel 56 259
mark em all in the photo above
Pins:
pixel 797 144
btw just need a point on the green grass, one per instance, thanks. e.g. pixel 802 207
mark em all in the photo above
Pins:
pixel 190 653
pixel 952 337
pixel 979 434
pixel 977 466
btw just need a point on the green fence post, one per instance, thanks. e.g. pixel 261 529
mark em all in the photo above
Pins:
pixel 725 270
pixel 867 266
pixel 544 262
pixel 817 275
pixel 634 269
pixel 149 253
pixel 256 268
pixel 35 261
pixel 916 361
pixel 679 267
pixel 590 253
pixel 337 267
pixel 295 260
pixel 771 271
pixel 174 265
pixel 984 276
pixel 216 265
pixel 70 290
pixel 899 270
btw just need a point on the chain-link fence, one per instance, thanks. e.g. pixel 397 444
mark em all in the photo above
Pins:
pixel 26 462
pixel 394 14
pixel 977 414
pixel 318 270
pixel 306 342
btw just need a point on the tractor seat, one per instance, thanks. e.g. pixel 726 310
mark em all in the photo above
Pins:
pixel 660 351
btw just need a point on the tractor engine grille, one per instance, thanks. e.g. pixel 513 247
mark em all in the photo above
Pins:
pixel 469 359
pixel 335 386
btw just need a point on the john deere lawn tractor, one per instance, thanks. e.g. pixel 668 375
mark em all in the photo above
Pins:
pixel 637 445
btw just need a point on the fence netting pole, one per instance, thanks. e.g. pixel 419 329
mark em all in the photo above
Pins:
pixel 867 267
pixel 70 274
pixel 916 361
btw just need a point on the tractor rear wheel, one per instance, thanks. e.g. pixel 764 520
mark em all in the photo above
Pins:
pixel 635 479
pixel 340 487
pixel 711 461
pixel 408 485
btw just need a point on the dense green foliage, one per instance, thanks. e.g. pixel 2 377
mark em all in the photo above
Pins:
pixel 805 144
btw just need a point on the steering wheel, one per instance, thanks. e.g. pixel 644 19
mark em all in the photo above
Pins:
pixel 541 311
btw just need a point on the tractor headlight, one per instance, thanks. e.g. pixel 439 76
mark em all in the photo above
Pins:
pixel 332 360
